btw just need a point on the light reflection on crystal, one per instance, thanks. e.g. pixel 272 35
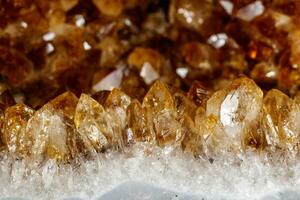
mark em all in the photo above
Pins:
pixel 148 73
pixel 113 80
pixel 48 36
pixel 218 40
pixel 251 11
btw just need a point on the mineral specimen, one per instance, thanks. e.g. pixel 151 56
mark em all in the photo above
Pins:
pixel 172 74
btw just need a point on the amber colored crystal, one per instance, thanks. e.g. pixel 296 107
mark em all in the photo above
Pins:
pixel 101 96
pixel 199 56
pixel 161 115
pixel 136 117
pixel 265 73
pixel 193 140
pixel 66 103
pixel 211 131
pixel 194 55
pixel 6 100
pixel 236 108
pixel 90 123
pixel 116 105
pixel 49 131
pixel 259 51
pixel 133 85
pixel 199 93
pixel 278 110
pixel 140 56
pixel 15 121
pixel 254 137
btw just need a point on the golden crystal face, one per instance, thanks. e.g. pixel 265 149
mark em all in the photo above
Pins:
pixel 14 135
pixel 278 110
pixel 79 78
pixel 236 118
pixel 136 117
pixel 161 114
pixel 90 123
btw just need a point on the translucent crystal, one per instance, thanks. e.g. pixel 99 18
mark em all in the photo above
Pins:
pixel 279 120
pixel 193 140
pixel 161 115
pixel 236 107
pixel 65 103
pixel 116 105
pixel 49 131
pixel 16 118
pixel 6 100
pixel 212 132
pixel 90 122
pixel 199 94
pixel 186 112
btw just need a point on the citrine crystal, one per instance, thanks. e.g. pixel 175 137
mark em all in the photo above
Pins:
pixel 161 115
pixel 14 135
pixel 48 131
pixel 280 113
pixel 137 121
pixel 116 106
pixel 91 124
pixel 167 73
pixel 236 107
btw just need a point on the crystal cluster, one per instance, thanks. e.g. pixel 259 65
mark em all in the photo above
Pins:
pixel 235 119
pixel 80 77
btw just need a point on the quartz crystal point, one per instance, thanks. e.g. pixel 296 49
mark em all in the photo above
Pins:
pixel 186 112
pixel 6 100
pixel 280 120
pixel 210 130
pixel 136 117
pixel 15 121
pixel 234 108
pixel 50 131
pixel 162 125
pixel 116 105
pixel 90 121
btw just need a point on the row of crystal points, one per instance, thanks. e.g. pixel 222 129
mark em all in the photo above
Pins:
pixel 235 119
